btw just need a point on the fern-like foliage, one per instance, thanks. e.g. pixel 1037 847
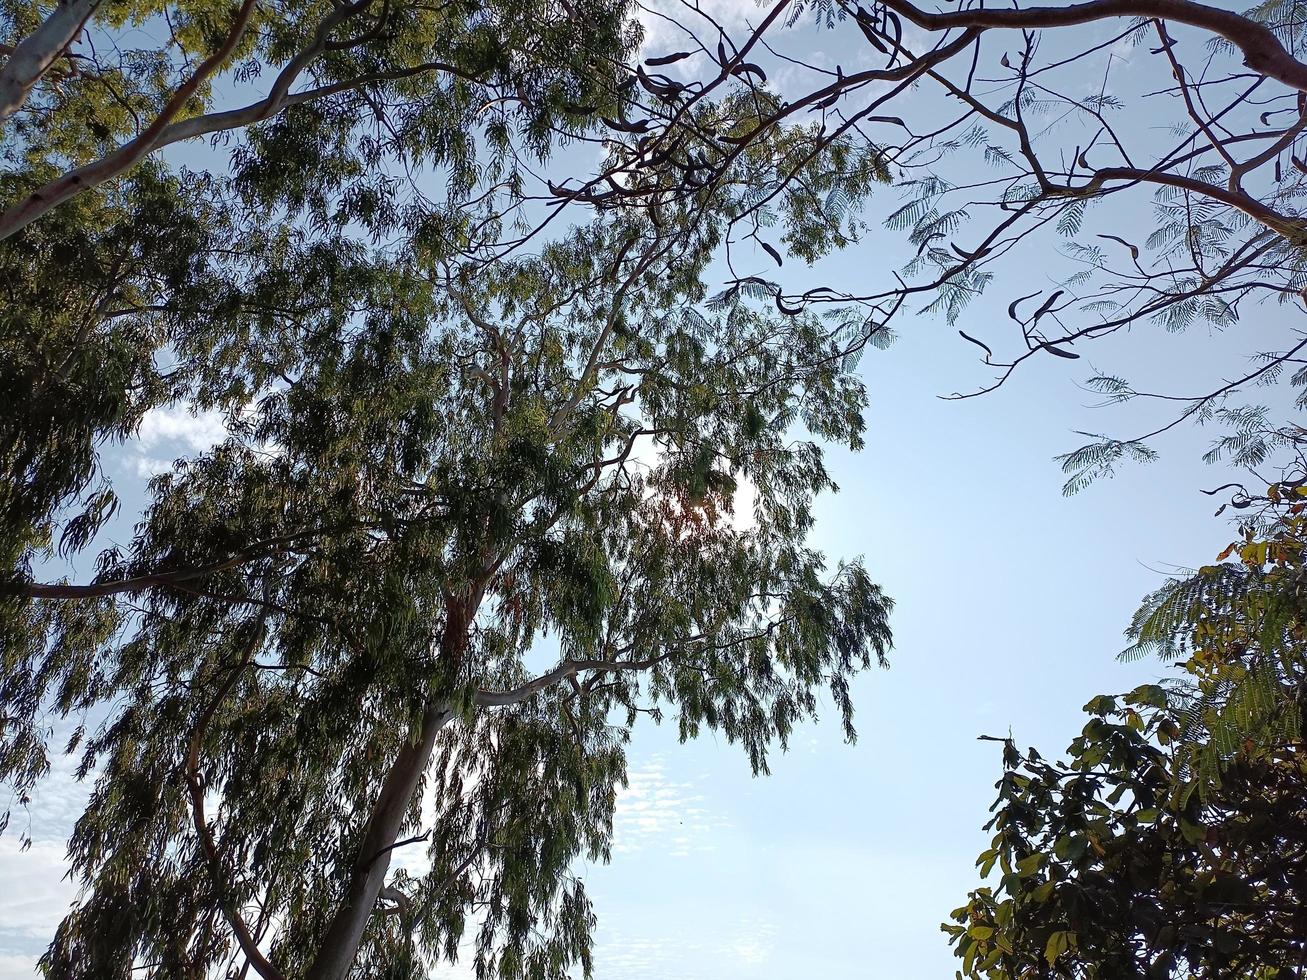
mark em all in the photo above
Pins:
pixel 1239 630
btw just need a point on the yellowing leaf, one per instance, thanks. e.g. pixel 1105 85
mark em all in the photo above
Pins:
pixel 1058 943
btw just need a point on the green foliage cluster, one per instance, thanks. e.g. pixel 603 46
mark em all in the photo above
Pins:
pixel 168 282
pixel 454 444
pixel 466 428
pixel 430 488
pixel 1170 843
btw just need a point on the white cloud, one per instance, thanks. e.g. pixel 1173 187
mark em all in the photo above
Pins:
pixel 178 424
pixel 34 892
pixel 655 813
pixel 624 956
pixel 56 801
pixel 170 432
pixel 34 897
pixel 1124 48
pixel 752 941
pixel 661 35
pixel 638 949
pixel 148 466
pixel 17 966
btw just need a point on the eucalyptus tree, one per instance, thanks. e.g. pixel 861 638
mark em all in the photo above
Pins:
pixel 91 88
pixel 315 653
pixel 174 177
pixel 1147 153
pixel 447 457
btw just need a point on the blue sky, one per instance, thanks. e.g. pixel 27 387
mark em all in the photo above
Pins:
pixel 1010 603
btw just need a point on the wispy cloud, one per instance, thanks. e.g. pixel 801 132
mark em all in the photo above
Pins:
pixel 17 966
pixel 646 957
pixel 178 424
pixel 173 431
pixel 56 802
pixel 655 813
pixel 34 892
pixel 660 17
pixel 641 951
pixel 752 941
pixel 34 897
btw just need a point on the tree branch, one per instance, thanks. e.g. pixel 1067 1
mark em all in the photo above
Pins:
pixel 1261 49
pixel 32 57
pixel 260 549
pixel 195 784
pixel 566 669
pixel 130 153
pixel 1294 230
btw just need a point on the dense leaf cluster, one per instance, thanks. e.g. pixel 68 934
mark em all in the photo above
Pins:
pixel 1173 842
pixel 323 645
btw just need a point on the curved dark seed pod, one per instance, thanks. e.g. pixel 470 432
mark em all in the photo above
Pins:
pixel 667 59
pixel 892 18
pixel 640 126
pixel 1012 307
pixel 1227 486
pixel 863 20
pixel 771 251
pixel 621 256
pixel 1061 353
pixel 1134 249
pixel 979 343
pixel 930 238
pixel 749 68
pixel 820 293
pixel 968 256
pixel 649 84
pixel 787 310
pixel 1048 305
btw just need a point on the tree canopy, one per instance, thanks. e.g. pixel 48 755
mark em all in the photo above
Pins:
pixel 146 280
pixel 444 462
pixel 1171 842
pixel 336 606
pixel 452 274
pixel 1016 135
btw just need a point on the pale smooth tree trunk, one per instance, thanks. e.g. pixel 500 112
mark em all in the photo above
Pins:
pixel 33 56
pixel 341 941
